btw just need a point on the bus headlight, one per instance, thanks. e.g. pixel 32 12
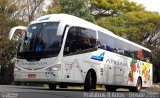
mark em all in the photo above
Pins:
pixel 54 68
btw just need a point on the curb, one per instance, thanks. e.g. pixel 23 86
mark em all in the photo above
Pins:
pixel 155 86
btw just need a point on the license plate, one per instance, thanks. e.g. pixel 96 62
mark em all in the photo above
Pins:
pixel 31 75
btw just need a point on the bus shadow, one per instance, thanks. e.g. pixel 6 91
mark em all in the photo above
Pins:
pixel 65 89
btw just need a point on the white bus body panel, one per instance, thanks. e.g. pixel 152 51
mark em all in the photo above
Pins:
pixel 110 68
pixel 113 70
pixel 41 70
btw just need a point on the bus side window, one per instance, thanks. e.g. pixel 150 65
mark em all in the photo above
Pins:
pixel 127 53
pixel 70 45
pixel 123 48
pixel 79 39
pixel 86 39
pixel 106 42
pixel 108 48
pixel 147 56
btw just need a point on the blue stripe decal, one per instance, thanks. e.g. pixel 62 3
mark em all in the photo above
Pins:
pixel 99 57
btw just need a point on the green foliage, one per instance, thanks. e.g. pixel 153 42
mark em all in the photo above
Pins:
pixel 135 26
pixel 7 48
pixel 139 27
pixel 77 8
pixel 55 7
pixel 6 66
pixel 6 6
pixel 7 52
pixel 114 7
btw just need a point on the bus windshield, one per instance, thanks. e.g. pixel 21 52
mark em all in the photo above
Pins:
pixel 41 41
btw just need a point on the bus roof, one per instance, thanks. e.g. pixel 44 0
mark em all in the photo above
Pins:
pixel 75 21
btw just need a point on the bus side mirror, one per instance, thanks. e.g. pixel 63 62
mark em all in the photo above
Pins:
pixel 12 31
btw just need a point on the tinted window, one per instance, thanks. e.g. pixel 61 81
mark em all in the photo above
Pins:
pixel 86 39
pixel 120 47
pixel 40 41
pixel 106 42
pixel 49 38
pixel 147 56
pixel 70 45
pixel 79 39
pixel 134 51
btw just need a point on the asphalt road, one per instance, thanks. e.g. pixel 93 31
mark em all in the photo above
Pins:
pixel 7 91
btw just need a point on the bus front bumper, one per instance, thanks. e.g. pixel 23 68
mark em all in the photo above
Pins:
pixel 43 77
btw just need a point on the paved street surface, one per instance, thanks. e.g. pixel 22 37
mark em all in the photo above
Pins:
pixel 7 91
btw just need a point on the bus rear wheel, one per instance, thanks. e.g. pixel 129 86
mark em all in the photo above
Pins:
pixel 138 86
pixel 88 82
pixel 52 86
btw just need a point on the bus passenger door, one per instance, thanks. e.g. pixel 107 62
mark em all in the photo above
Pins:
pixel 68 68
pixel 69 55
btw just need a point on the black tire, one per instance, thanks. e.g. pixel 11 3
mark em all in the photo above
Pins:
pixel 62 86
pixel 88 82
pixel 93 86
pixel 52 86
pixel 94 80
pixel 110 88
pixel 138 86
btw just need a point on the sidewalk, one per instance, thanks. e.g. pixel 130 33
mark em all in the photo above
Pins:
pixel 155 87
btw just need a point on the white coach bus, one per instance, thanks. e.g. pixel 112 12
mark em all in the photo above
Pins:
pixel 61 49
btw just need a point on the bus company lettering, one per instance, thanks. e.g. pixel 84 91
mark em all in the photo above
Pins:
pixel 116 62
pixel 35 63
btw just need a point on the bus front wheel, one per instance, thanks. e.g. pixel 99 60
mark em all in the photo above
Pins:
pixel 88 81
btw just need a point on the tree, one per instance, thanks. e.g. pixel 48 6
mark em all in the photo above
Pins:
pixel 140 27
pixel 7 6
pixel 135 26
pixel 28 9
pixel 54 7
pixel 77 8
pixel 7 48
pixel 102 8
